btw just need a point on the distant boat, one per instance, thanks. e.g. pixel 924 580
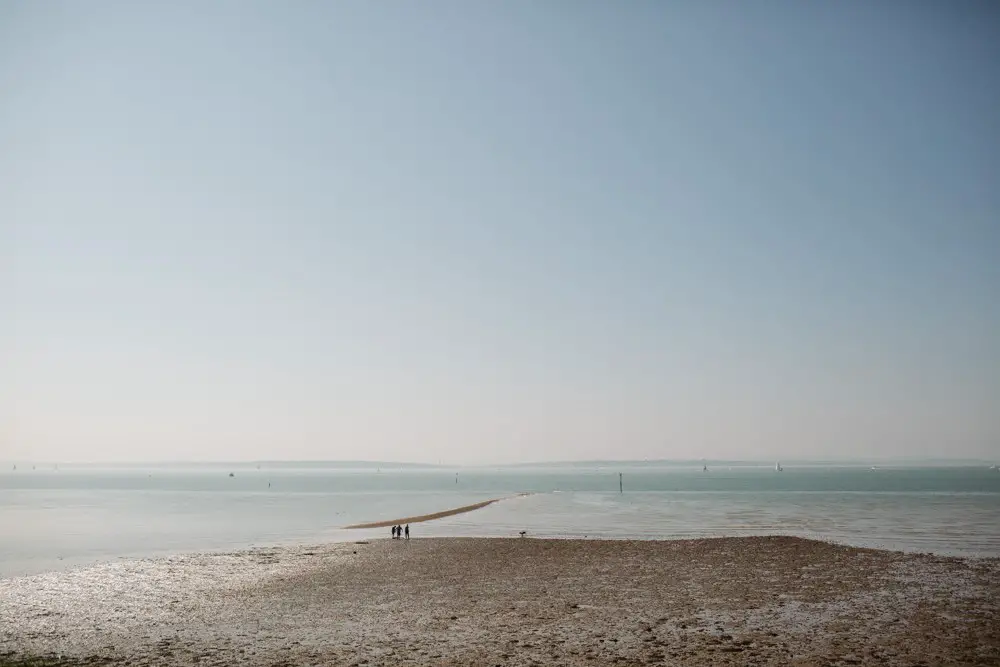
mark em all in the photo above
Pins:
pixel 15 466
pixel 874 467
pixel 777 466
pixel 994 467
pixel 232 475
pixel 704 468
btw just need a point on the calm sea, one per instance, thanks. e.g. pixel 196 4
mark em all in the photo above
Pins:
pixel 54 519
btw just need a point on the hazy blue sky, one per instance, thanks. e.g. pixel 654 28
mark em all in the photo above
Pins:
pixel 495 231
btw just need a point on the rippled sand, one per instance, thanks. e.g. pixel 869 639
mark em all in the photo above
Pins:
pixel 456 601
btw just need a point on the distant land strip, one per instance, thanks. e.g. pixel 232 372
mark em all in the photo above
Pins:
pixel 431 517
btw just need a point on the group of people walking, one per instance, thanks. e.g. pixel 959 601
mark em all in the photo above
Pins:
pixel 398 532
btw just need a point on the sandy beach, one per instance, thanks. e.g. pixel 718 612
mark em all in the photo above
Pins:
pixel 727 601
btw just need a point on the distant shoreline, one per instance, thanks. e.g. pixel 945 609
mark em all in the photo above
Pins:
pixel 388 466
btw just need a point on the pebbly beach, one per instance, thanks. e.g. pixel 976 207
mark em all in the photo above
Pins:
pixel 513 601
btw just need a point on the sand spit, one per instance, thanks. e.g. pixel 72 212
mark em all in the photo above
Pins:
pixel 521 602
pixel 425 517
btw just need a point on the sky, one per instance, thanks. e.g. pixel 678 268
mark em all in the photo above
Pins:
pixel 489 232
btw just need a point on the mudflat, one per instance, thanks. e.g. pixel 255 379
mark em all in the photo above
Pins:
pixel 459 601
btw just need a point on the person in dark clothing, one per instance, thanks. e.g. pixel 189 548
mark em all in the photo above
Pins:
pixel 393 532
pixel 407 531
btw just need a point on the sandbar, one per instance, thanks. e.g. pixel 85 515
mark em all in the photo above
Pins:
pixel 425 517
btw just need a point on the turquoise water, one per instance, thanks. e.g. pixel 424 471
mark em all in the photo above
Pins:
pixel 53 519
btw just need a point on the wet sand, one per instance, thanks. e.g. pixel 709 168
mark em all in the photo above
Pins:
pixel 456 601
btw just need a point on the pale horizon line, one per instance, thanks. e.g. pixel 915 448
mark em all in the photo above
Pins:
pixel 446 464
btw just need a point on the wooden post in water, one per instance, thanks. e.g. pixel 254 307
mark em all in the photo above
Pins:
pixel 620 483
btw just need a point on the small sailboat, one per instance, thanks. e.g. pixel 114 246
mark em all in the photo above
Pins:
pixel 15 466
pixel 777 466
pixel 704 467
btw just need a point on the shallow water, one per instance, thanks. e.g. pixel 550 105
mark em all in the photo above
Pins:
pixel 53 519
